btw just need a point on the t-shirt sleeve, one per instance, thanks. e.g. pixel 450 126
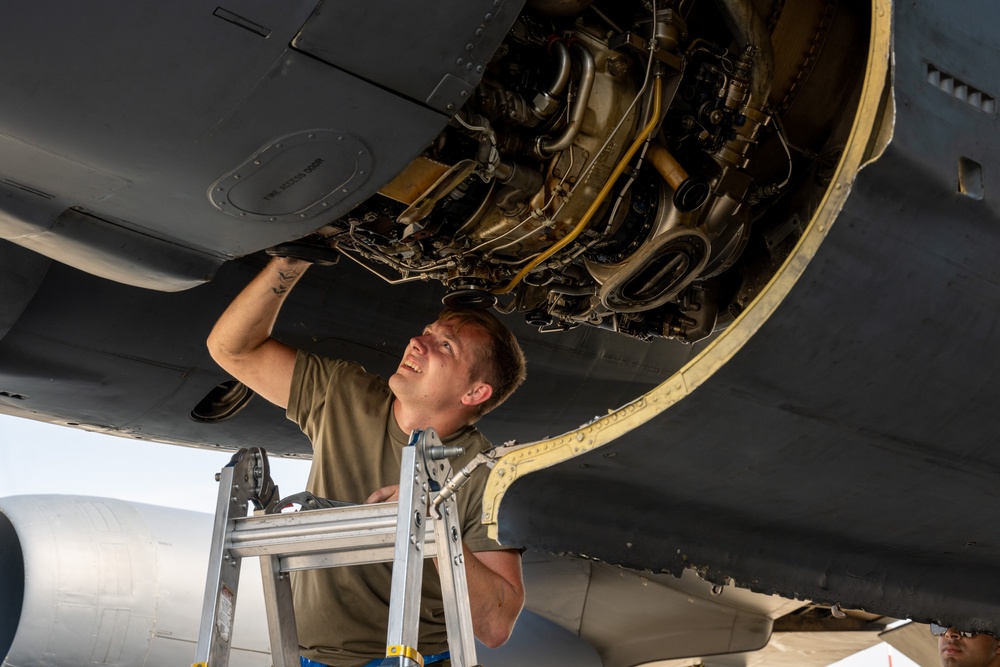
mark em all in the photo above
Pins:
pixel 323 388
pixel 305 398
pixel 477 539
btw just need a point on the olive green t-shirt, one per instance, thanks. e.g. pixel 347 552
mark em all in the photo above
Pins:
pixel 342 613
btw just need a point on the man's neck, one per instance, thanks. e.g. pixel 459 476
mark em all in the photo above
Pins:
pixel 443 424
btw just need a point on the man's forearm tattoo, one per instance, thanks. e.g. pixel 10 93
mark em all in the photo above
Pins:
pixel 285 280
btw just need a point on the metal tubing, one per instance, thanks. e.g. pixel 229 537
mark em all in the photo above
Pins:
pixel 562 74
pixel 451 558
pixel 547 146
pixel 338 529
pixel 256 533
pixel 280 613
pixel 612 179
pixel 689 193
pixel 748 27
pixel 454 585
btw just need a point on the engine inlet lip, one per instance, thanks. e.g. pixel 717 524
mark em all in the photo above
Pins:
pixel 11 583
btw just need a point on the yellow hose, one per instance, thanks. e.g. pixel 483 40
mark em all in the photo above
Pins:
pixel 585 220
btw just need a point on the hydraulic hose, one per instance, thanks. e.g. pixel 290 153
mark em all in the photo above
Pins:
pixel 601 196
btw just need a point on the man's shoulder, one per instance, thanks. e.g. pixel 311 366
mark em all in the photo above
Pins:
pixel 331 368
pixel 319 378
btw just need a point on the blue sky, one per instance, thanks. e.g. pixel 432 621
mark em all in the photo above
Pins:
pixel 37 458
pixel 42 458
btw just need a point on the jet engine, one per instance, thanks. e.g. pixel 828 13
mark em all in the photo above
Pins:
pixel 637 166
pixel 100 581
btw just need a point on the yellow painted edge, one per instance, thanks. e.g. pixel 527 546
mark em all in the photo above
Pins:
pixel 549 452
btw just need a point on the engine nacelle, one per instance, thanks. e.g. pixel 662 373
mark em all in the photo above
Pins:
pixel 100 581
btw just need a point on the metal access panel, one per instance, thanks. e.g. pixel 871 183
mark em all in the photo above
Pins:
pixel 434 52
pixel 186 135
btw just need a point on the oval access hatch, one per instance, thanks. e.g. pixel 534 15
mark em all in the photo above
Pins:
pixel 296 176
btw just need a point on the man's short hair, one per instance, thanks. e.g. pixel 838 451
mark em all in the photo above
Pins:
pixel 500 364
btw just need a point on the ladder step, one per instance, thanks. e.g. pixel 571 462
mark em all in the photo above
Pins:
pixel 352 535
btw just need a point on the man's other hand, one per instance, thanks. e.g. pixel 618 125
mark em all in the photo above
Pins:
pixel 386 494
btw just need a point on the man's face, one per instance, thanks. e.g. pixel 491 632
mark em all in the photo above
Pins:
pixel 434 372
pixel 958 651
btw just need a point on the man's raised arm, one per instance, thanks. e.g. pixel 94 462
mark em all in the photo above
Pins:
pixel 241 340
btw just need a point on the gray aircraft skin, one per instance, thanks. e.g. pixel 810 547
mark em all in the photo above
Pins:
pixel 748 246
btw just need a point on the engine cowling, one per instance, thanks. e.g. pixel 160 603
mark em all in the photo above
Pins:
pixel 101 581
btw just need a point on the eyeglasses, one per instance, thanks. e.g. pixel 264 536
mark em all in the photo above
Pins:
pixel 939 630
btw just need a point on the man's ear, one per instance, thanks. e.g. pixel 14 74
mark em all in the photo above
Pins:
pixel 480 393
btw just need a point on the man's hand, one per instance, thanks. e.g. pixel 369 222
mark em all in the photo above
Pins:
pixel 384 495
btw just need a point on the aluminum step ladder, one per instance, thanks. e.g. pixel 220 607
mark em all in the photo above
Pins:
pixel 424 523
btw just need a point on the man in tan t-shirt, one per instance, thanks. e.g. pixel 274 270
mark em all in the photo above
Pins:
pixel 461 366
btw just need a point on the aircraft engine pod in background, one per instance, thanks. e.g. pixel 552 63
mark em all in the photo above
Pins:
pixel 105 581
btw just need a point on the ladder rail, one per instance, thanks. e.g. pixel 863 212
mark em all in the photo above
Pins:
pixel 454 585
pixel 280 612
pixel 408 560
pixel 215 632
